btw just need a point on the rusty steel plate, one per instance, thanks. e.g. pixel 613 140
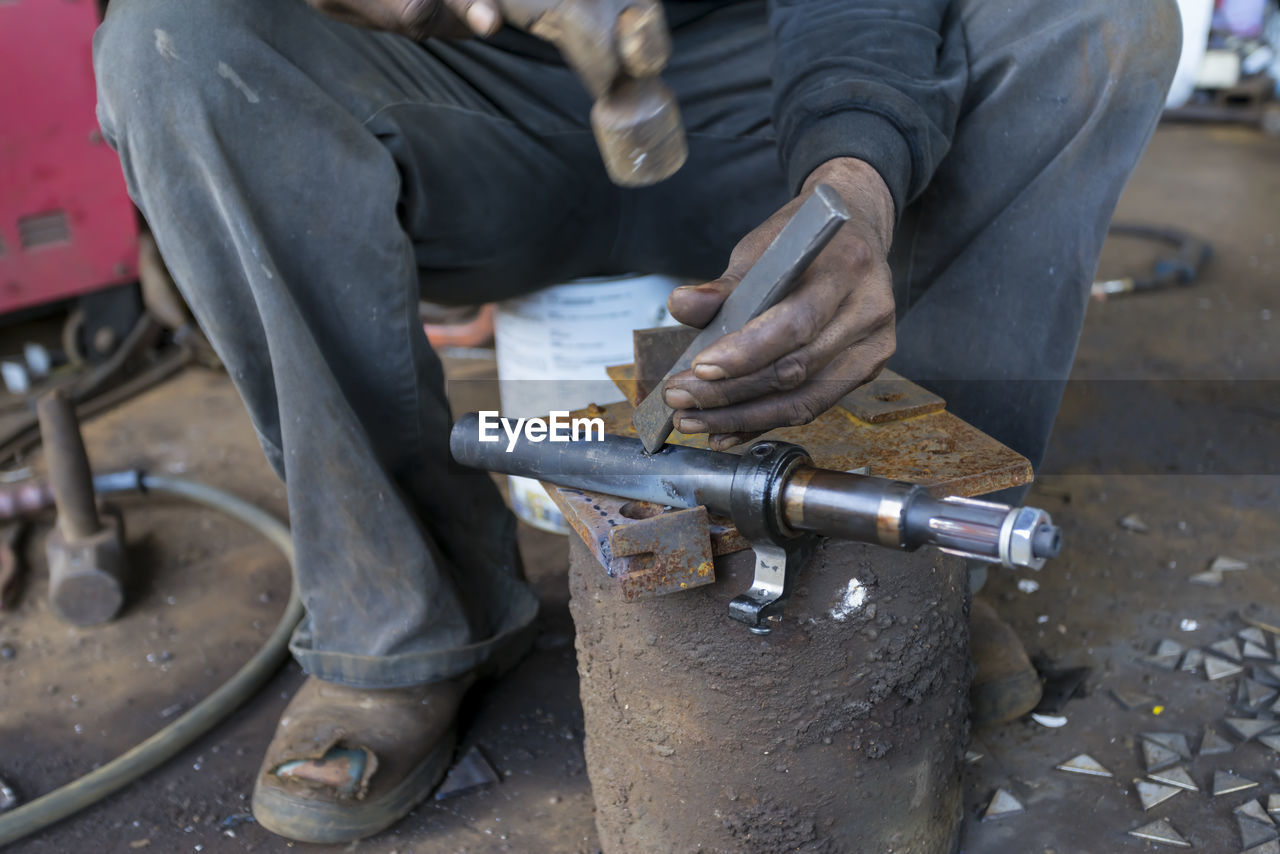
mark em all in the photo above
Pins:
pixel 890 397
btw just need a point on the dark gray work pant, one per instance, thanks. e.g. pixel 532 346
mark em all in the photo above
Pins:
pixel 307 182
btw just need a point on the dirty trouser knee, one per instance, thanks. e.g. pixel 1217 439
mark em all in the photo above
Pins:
pixel 276 203
pixel 993 263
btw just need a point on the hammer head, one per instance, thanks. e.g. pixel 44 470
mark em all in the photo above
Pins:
pixel 638 130
pixel 617 48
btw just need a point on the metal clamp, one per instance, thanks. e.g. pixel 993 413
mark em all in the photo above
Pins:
pixel 755 504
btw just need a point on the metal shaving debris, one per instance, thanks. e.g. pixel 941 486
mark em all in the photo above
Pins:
pixel 1051 721
pixel 1247 728
pixel 1131 699
pixel 1208 579
pixel 1026 585
pixel 1168 647
pixel 1224 783
pixel 1213 744
pixel 1176 777
pixel 469 774
pixel 1133 523
pixel 1216 668
pixel 1002 804
pixel 1254 810
pixel 1227 648
pixel 1255 694
pixel 1253 634
pixel 1264 848
pixel 1160 831
pixel 1189 625
pixel 1156 757
pixel 1175 741
pixel 970 757
pixel 1253 650
pixel 1084 764
pixel 1153 794
pixel 1254 833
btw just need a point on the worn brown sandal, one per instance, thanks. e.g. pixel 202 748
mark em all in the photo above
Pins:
pixel 346 763
pixel 1005 685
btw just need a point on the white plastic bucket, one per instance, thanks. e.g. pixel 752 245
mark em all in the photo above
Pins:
pixel 553 347
pixel 1197 15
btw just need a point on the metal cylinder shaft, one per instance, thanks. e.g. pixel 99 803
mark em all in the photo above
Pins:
pixel 68 462
pixel 615 465
pixel 834 504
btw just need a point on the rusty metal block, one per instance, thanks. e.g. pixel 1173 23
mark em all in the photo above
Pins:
pixel 656 351
pixel 890 397
pixel 650 549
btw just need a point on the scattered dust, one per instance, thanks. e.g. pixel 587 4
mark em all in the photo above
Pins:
pixel 227 72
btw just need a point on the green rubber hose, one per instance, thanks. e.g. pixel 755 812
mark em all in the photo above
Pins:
pixel 161 747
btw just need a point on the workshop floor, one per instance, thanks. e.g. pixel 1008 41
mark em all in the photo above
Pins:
pixel 1196 461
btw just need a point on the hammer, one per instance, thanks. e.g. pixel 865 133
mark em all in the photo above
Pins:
pixel 86 555
pixel 617 48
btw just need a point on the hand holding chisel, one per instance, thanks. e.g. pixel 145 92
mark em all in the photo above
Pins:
pixel 795 326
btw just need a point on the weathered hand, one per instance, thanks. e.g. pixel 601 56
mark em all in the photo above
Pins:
pixel 834 332
pixel 418 19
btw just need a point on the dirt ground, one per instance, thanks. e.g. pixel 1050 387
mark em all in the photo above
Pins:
pixel 1176 418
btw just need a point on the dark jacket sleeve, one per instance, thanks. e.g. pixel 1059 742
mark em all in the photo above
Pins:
pixel 880 80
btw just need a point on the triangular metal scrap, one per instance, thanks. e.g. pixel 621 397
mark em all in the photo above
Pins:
pixel 1002 804
pixel 1176 777
pixel 1268 673
pixel 1167 647
pixel 1216 668
pixel 1224 783
pixel 1192 661
pixel 469 774
pixel 1212 744
pixel 1175 741
pixel 1227 648
pixel 1208 579
pixel 970 757
pixel 1248 728
pixel 1253 833
pixel 1152 794
pixel 1222 563
pixel 1254 695
pixel 1256 650
pixel 1160 831
pixel 1253 634
pixel 1084 764
pixel 1254 810
pixel 1131 699
pixel 1265 848
pixel 1272 741
pixel 1273 804
pixel 1156 756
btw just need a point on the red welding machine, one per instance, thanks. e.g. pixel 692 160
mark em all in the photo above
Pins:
pixel 67 226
